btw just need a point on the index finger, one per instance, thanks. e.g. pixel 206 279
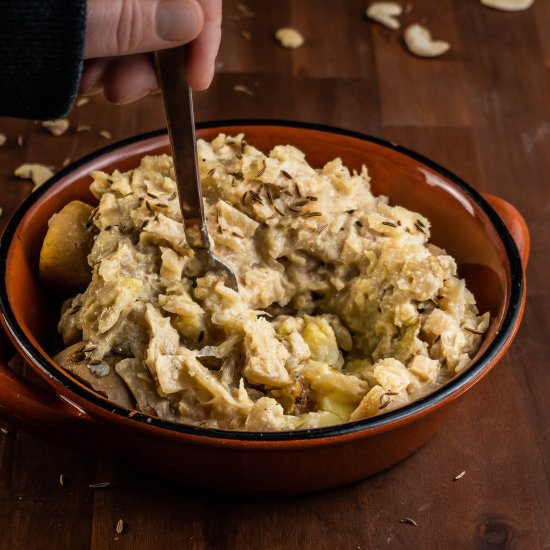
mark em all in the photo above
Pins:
pixel 204 49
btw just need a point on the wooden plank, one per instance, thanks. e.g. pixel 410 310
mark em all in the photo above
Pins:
pixel 248 41
pixel 37 511
pixel 459 154
pixel 510 111
pixel 317 100
pixel 541 14
pixel 419 91
pixel 326 53
pixel 483 112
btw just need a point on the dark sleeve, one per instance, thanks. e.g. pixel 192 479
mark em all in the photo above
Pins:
pixel 41 50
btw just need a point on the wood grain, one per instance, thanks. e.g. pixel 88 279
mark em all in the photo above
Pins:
pixel 483 111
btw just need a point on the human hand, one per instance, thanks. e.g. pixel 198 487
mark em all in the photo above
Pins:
pixel 121 34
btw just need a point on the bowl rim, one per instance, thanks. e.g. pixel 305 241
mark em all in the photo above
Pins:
pixel 450 389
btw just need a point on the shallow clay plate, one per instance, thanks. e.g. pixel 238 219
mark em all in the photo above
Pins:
pixel 486 235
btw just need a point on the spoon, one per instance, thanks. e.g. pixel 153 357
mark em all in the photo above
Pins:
pixel 178 104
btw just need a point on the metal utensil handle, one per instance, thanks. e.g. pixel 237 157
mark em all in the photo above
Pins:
pixel 178 103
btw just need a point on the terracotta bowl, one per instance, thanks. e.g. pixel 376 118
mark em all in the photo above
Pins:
pixel 486 235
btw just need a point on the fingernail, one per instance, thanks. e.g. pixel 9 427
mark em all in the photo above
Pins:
pixel 177 20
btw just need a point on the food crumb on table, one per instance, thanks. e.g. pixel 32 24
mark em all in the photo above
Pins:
pixel 100 485
pixel 244 89
pixel 289 38
pixel 119 526
pixel 82 101
pixel 409 521
pixel 37 173
pixel 56 127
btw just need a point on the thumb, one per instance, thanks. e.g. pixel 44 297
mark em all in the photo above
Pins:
pixel 121 27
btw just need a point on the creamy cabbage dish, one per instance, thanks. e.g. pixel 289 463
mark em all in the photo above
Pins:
pixel 344 310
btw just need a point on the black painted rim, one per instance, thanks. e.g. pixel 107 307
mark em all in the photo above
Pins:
pixel 512 313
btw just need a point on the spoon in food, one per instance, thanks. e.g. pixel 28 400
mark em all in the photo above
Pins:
pixel 178 104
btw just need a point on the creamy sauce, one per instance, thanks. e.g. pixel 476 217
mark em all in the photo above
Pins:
pixel 344 309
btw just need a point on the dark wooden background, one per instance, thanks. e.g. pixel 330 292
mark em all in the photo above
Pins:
pixel 483 111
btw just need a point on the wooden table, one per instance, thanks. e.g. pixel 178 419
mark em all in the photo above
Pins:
pixel 483 111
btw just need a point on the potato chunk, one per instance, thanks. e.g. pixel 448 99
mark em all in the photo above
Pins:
pixel 63 258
